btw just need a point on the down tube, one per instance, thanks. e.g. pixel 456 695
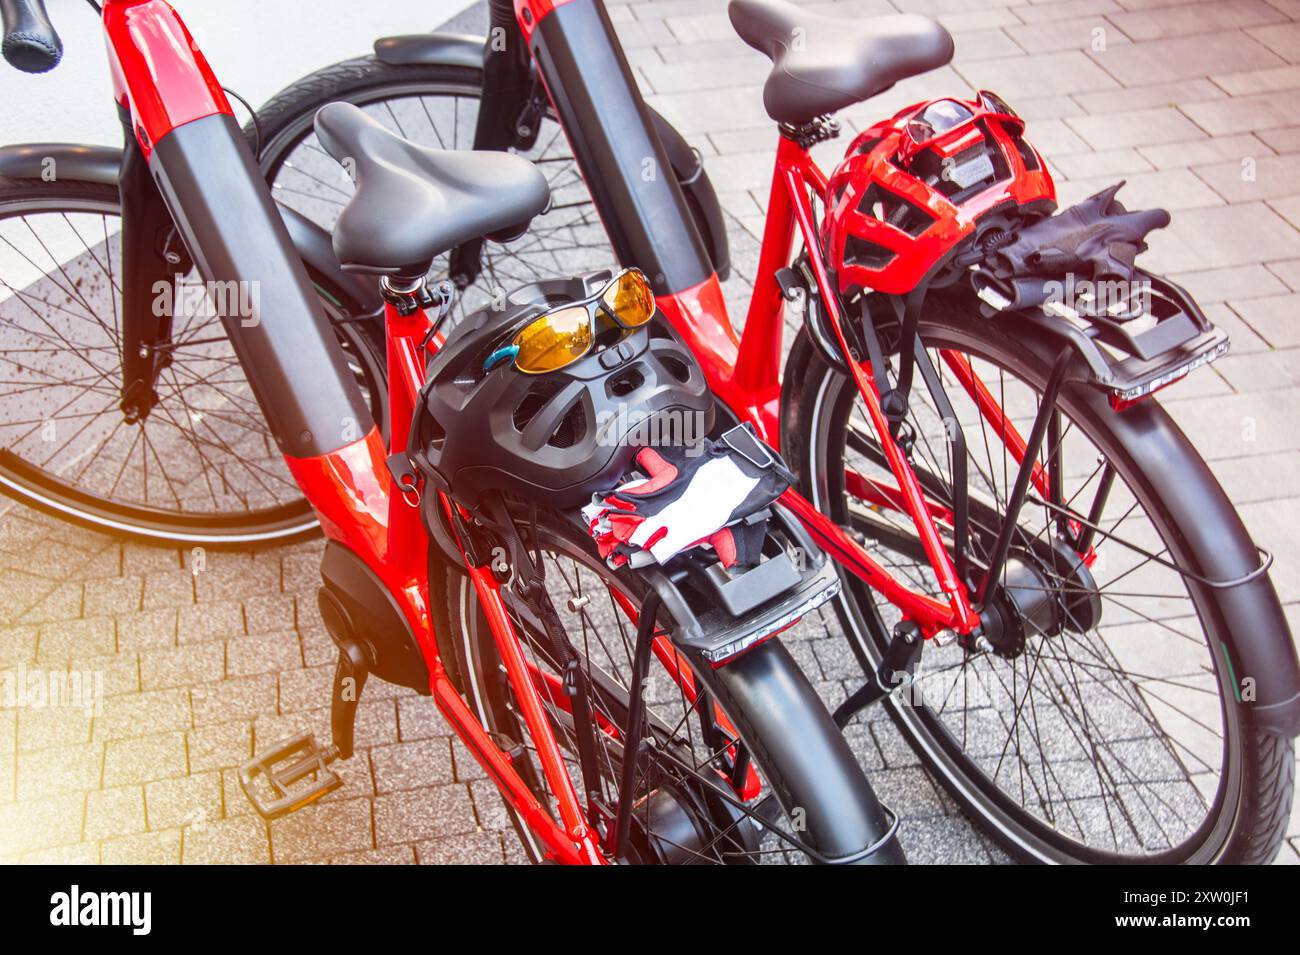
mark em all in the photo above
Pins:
pixel 614 142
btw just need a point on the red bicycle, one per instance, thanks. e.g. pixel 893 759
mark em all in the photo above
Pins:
pixel 1107 676
pixel 765 770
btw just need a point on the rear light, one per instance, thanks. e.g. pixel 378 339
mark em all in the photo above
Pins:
pixel 1128 397
pixel 719 656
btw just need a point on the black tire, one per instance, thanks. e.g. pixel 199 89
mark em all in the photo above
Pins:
pixel 1252 791
pixel 774 710
pixel 197 503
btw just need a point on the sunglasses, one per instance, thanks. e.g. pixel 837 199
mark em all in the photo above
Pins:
pixel 559 337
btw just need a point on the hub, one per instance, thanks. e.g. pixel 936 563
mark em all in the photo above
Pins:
pixel 1041 594
pixel 674 825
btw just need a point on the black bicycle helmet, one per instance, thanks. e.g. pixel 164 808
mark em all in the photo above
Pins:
pixel 561 436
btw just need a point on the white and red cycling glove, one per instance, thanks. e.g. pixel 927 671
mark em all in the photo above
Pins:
pixel 692 496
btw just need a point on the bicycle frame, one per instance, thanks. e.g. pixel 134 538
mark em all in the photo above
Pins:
pixel 185 129
pixel 221 205
pixel 744 371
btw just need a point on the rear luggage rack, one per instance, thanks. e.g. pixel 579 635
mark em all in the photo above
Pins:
pixel 1134 345
pixel 719 613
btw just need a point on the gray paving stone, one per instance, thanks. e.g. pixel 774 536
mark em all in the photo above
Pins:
pixel 1065 10
pixel 240 699
pixel 1245 114
pixel 144 848
pixel 479 848
pixel 1282 140
pixel 1222 236
pixel 397 855
pixel 1079 33
pixel 1045 73
pixel 66 639
pixel 267 653
pixel 1110 162
pixel 403 766
pixel 219 746
pixel 1273 317
pixel 144 758
pixel 1163 61
pixel 114 812
pixel 423 814
pixel 146 630
pixel 1204 151
pixel 87 853
pixel 947 841
pixel 59 769
pixel 1260 81
pixel 1196 18
pixel 228 842
pixel 1174 189
pixel 973 45
pixel 1283 39
pixel 182 666
pixel 193 801
pixel 1236 283
pixel 323 829
pixel 1144 127
pixel 213 620
pixel 1245 180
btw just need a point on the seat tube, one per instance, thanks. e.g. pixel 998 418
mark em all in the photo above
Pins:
pixel 612 136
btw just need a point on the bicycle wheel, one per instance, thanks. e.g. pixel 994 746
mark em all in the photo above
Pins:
pixel 437 106
pixel 202 468
pixel 717 785
pixel 1099 723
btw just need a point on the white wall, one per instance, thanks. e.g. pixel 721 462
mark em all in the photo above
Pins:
pixel 255 47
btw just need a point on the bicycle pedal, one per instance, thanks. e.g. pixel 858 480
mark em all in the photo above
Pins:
pixel 274 781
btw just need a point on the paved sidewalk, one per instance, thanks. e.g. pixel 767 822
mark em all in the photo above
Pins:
pixel 1195 104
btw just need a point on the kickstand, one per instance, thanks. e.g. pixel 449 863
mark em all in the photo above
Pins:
pixel 901 657
pixel 349 680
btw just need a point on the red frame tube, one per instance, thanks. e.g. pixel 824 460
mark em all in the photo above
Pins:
pixel 158 71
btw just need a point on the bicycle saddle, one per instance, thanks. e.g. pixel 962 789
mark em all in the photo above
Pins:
pixel 414 203
pixel 821 64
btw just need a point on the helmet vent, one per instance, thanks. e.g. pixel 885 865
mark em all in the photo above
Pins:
pixel 676 367
pixel 569 430
pixel 624 383
pixel 893 209
pixel 869 255
pixel 533 402
pixel 1027 155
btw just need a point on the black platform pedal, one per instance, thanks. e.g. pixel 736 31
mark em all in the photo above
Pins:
pixel 288 776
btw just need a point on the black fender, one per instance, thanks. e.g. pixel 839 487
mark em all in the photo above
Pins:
pixel 458 49
pixel 102 164
pixel 1262 647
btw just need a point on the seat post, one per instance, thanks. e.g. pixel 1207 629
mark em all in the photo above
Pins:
pixel 406 293
pixel 808 134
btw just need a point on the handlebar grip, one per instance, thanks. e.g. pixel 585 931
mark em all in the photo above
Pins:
pixel 30 42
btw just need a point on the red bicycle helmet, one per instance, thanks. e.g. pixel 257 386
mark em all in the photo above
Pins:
pixel 912 188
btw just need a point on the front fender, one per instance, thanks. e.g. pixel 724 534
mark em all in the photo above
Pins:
pixel 101 164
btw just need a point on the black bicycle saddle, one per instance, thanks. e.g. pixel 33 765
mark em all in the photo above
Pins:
pixel 821 64
pixel 414 203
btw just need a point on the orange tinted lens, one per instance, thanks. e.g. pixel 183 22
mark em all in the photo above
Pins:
pixel 554 340
pixel 630 299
